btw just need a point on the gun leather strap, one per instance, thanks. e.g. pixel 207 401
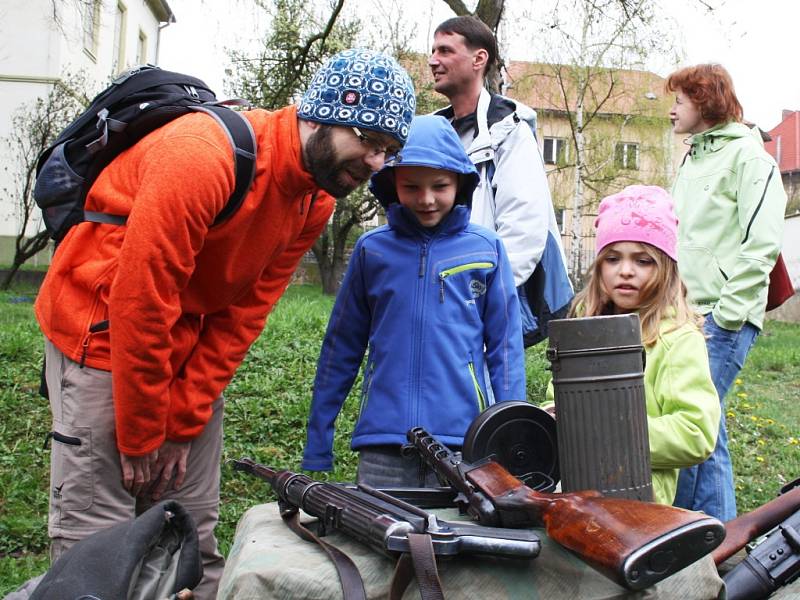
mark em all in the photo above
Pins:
pixel 420 560
pixel 349 576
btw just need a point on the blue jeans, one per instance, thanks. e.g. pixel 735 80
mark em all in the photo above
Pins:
pixel 709 485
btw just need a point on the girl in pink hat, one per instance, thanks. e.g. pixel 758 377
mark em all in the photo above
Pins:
pixel 636 271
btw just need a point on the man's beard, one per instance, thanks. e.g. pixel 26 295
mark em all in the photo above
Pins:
pixel 327 170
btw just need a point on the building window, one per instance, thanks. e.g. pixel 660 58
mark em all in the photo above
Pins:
pixel 627 156
pixel 778 149
pixel 91 25
pixel 120 22
pixel 141 49
pixel 555 151
pixel 561 220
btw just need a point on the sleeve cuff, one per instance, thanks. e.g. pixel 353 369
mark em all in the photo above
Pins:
pixel 725 323
pixel 317 464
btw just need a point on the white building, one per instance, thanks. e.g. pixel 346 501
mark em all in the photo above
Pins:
pixel 40 40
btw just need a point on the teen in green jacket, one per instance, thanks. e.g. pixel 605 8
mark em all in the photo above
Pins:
pixel 730 204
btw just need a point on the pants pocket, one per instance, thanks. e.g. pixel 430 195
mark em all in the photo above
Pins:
pixel 72 479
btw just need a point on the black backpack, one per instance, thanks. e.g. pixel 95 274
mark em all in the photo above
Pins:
pixel 135 104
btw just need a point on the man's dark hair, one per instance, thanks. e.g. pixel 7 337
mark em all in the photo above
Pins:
pixel 476 35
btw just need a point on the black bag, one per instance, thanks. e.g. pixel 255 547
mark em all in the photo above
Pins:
pixel 135 104
pixel 148 558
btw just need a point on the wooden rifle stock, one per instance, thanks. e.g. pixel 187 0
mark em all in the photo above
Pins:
pixel 745 528
pixel 635 544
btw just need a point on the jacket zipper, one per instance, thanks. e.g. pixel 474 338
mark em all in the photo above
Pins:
pixel 758 208
pixel 478 390
pixel 95 328
pixel 416 334
pixel 459 269
pixel 423 253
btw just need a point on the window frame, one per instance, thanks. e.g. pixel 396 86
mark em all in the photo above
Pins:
pixel 622 156
pixel 557 154
pixel 120 35
pixel 90 24
pixel 141 48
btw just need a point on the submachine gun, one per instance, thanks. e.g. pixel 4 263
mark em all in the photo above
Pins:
pixel 635 544
pixel 384 523
pixel 774 558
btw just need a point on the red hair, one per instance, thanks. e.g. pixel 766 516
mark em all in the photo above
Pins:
pixel 710 88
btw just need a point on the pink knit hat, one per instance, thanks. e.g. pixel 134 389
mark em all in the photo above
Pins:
pixel 639 213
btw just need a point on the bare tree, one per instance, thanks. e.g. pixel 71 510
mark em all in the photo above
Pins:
pixel 592 44
pixel 57 8
pixel 331 248
pixel 297 43
pixel 34 127
pixel 301 36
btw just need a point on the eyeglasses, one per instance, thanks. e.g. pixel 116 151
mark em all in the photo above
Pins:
pixel 390 152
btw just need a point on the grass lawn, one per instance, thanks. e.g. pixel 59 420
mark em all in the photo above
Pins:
pixel 266 409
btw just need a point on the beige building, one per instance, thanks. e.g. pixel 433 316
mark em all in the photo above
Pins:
pixel 627 135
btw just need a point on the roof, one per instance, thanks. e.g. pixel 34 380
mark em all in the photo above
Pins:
pixel 616 91
pixel 161 10
pixel 785 144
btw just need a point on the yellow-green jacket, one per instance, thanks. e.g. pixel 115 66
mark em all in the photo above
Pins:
pixel 682 407
pixel 730 203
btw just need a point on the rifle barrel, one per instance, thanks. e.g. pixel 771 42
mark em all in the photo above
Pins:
pixel 250 466
pixel 745 528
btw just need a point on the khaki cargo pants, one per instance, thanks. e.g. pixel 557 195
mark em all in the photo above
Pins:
pixel 86 493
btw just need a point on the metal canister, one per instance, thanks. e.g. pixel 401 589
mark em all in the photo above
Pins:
pixel 601 417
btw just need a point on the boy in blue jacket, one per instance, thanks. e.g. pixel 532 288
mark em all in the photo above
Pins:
pixel 432 296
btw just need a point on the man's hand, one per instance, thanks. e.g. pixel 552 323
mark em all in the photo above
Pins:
pixel 136 471
pixel 172 459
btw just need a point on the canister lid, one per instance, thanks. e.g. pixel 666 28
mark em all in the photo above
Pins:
pixel 594 333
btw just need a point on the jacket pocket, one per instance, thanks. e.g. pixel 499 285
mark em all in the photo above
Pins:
pixel 703 275
pixel 71 472
pixel 369 372
pixel 460 288
pixel 480 397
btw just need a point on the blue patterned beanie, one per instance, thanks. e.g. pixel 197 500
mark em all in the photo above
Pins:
pixel 361 88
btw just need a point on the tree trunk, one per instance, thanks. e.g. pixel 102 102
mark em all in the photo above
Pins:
pixel 12 272
pixel 25 248
pixel 575 266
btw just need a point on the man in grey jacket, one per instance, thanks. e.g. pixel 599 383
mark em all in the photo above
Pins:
pixel 513 197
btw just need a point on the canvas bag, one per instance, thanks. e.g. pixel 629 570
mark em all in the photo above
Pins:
pixel 147 558
pixel 135 104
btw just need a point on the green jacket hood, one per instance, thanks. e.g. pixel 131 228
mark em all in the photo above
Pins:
pixel 716 138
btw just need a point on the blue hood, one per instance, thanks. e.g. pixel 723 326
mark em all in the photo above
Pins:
pixel 432 142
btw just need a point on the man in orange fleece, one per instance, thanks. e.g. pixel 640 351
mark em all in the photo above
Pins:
pixel 146 323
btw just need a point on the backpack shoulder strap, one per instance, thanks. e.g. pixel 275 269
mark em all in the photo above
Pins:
pixel 243 140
